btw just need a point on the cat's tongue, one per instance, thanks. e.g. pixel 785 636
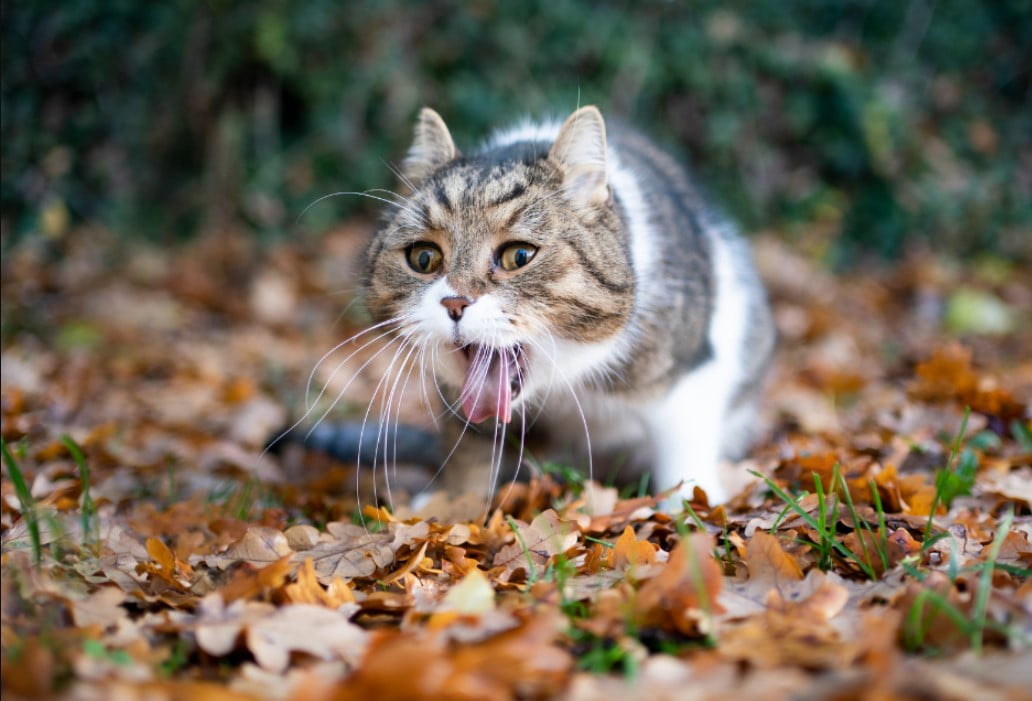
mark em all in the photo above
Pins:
pixel 487 392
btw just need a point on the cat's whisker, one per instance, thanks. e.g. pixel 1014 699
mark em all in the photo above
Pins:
pixel 327 354
pixel 362 428
pixel 383 430
pixel 523 439
pixel 576 402
pixel 455 446
pixel 409 203
pixel 381 386
pixel 400 394
pixel 421 361
pixel 498 437
pixel 310 406
pixel 344 389
pixel 450 406
pixel 357 194
pixel 400 174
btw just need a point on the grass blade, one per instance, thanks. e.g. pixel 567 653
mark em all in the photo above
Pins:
pixel 28 504
pixel 985 582
pixel 88 507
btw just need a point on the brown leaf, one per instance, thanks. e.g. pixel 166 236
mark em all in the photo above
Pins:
pixel 768 563
pixel 544 537
pixel 315 630
pixel 684 593
pixel 307 590
pixel 103 607
pixel 302 537
pixel 628 550
pixel 258 546
pixel 217 625
pixel 356 554
pixel 519 663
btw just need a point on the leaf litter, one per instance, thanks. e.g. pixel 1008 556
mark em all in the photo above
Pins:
pixel 878 546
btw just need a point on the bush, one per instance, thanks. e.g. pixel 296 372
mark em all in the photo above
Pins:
pixel 854 126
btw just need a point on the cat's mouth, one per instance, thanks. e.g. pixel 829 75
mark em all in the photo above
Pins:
pixel 493 379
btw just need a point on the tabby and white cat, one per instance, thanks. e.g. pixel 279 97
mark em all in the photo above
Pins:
pixel 571 289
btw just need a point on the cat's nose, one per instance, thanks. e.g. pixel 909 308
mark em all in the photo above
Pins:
pixel 455 306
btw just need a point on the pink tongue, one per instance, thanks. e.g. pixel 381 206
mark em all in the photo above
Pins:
pixel 487 392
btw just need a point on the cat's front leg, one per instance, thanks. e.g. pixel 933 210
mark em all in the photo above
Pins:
pixel 687 431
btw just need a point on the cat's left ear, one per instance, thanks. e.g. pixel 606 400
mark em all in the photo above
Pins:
pixel 431 148
pixel 580 150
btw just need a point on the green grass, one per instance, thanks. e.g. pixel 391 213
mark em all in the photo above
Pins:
pixel 604 655
pixel 687 506
pixel 950 481
pixel 371 525
pixel 1023 435
pixel 178 657
pixel 88 509
pixel 566 474
pixel 929 604
pixel 826 544
pixel 99 651
pixel 532 576
pixel 28 504
pixel 879 541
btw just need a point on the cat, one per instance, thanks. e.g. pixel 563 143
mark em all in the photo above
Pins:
pixel 567 285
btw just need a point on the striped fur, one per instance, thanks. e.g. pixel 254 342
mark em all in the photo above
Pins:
pixel 644 328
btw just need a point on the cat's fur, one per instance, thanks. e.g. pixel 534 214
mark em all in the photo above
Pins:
pixel 639 323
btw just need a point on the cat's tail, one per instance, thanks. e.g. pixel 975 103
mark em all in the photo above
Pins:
pixel 365 444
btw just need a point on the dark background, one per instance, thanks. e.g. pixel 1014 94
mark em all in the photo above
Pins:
pixel 846 127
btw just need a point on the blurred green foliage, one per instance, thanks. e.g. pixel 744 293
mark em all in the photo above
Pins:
pixel 850 125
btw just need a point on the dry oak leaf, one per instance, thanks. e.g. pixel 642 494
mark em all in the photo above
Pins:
pixel 1015 485
pixel 469 613
pixel 768 564
pixel 898 545
pixel 258 546
pixel 544 537
pixel 165 565
pixel 522 662
pixel 356 553
pixel 629 551
pixel 684 593
pixel 217 625
pixel 316 630
pixel 623 512
pixel 248 583
pixel 301 537
pixel 793 633
pixel 272 634
pixel 307 590
pixel 472 596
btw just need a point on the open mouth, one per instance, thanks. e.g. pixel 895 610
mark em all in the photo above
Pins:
pixel 494 377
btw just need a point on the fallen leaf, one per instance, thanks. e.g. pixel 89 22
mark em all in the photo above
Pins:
pixel 684 595
pixel 315 630
pixel 769 565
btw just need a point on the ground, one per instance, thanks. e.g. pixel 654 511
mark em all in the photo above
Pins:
pixel 878 546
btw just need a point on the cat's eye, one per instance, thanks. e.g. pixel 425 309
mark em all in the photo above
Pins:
pixel 516 255
pixel 424 257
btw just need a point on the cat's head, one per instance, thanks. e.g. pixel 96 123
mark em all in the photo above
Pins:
pixel 508 269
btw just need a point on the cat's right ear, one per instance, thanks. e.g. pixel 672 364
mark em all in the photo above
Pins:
pixel 580 151
pixel 431 148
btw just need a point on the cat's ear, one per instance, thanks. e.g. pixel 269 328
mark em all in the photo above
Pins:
pixel 431 148
pixel 580 151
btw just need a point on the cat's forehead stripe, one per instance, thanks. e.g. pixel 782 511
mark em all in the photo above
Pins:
pixel 517 190
pixel 442 197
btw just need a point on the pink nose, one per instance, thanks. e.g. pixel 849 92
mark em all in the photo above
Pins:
pixel 455 306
